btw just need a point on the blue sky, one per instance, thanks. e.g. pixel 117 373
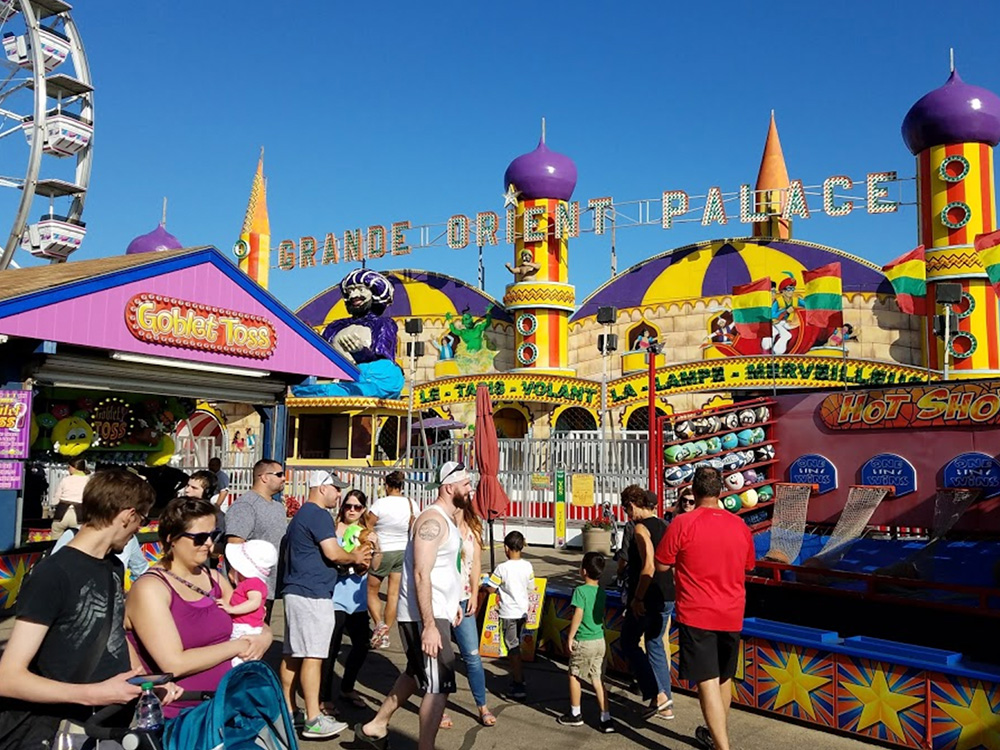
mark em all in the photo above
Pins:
pixel 377 112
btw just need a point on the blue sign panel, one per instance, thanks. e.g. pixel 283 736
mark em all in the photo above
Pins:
pixel 813 468
pixel 974 470
pixel 888 468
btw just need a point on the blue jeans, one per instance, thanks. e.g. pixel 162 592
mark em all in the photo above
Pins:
pixel 467 638
pixel 651 667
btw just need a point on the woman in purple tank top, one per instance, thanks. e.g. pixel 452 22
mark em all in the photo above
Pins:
pixel 172 612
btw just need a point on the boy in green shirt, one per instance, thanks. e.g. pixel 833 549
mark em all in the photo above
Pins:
pixel 586 643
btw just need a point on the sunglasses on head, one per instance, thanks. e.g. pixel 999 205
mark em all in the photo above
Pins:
pixel 198 539
pixel 459 467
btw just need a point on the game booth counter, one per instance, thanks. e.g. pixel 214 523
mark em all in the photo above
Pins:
pixel 103 358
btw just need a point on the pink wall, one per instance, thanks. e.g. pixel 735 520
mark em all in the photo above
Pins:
pixel 800 431
pixel 98 320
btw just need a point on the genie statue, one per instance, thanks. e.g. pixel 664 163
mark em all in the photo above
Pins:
pixel 366 338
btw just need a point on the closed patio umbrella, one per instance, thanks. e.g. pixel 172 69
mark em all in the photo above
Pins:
pixel 491 499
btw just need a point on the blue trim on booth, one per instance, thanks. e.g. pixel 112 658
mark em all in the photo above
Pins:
pixel 207 254
pixel 875 649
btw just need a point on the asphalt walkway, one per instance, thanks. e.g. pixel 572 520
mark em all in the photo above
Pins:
pixel 532 723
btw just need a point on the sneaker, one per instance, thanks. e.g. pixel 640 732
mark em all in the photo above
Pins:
pixel 607 727
pixel 517 691
pixel 299 719
pixel 571 720
pixel 321 727
pixel 704 737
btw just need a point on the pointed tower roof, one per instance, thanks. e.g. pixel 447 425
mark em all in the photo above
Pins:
pixel 773 174
pixel 772 184
pixel 256 220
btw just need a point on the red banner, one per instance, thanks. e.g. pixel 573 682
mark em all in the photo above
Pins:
pixel 190 325
pixel 952 405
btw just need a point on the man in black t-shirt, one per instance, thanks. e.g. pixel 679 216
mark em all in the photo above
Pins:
pixel 67 650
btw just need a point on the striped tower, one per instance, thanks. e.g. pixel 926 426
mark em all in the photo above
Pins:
pixel 952 132
pixel 253 249
pixel 772 184
pixel 541 298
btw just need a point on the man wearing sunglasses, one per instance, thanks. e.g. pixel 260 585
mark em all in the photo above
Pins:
pixel 257 515
pixel 429 595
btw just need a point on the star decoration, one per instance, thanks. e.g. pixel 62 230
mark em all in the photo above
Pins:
pixel 511 196
pixel 553 627
pixel 880 703
pixel 794 685
pixel 9 587
pixel 979 721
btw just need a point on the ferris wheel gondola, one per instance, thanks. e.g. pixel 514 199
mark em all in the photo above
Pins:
pixel 47 113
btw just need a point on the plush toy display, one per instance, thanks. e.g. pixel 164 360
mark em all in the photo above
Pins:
pixel 71 436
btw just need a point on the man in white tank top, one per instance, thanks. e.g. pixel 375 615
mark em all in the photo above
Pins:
pixel 429 596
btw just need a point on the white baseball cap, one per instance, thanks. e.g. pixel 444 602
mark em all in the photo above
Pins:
pixel 321 477
pixel 452 472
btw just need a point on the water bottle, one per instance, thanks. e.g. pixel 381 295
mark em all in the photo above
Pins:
pixel 149 712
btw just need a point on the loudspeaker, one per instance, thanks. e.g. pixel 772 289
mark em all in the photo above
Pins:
pixel 414 326
pixel 414 348
pixel 606 315
pixel 948 293
pixel 607 343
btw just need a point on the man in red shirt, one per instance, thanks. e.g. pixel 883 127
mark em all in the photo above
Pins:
pixel 709 549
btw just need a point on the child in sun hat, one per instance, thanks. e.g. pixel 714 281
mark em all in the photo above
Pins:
pixel 250 564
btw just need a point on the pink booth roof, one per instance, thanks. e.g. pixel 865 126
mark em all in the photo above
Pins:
pixel 83 304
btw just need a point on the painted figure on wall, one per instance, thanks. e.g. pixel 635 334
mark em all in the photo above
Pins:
pixel 472 333
pixel 446 349
pixel 784 316
pixel 723 328
pixel 367 338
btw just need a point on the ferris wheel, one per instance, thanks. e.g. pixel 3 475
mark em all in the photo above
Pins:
pixel 46 130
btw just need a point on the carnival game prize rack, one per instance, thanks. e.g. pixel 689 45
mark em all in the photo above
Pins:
pixel 736 439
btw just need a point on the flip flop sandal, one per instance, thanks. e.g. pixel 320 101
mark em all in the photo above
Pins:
pixel 651 711
pixel 487 719
pixel 446 722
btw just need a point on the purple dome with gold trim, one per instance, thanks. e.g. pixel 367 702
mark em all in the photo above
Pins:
pixel 542 173
pixel 957 112
pixel 156 241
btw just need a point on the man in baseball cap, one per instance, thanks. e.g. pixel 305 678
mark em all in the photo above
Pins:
pixel 311 544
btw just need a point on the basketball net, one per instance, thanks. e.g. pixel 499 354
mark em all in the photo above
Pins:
pixel 788 525
pixel 862 500
pixel 949 505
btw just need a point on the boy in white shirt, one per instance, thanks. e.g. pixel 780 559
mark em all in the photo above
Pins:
pixel 513 581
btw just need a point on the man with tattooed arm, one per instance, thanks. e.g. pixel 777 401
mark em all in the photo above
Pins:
pixel 429 597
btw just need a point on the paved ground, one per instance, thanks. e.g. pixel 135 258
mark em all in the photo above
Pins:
pixel 531 724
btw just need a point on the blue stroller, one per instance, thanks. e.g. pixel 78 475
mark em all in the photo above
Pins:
pixel 246 711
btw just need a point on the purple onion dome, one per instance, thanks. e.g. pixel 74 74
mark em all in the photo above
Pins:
pixel 957 112
pixel 543 173
pixel 157 240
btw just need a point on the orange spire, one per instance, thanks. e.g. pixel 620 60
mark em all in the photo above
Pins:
pixel 254 246
pixel 772 182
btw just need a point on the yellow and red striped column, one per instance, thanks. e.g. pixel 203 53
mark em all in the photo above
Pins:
pixel 542 303
pixel 957 201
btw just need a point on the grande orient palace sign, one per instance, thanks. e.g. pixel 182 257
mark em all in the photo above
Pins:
pixel 672 207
